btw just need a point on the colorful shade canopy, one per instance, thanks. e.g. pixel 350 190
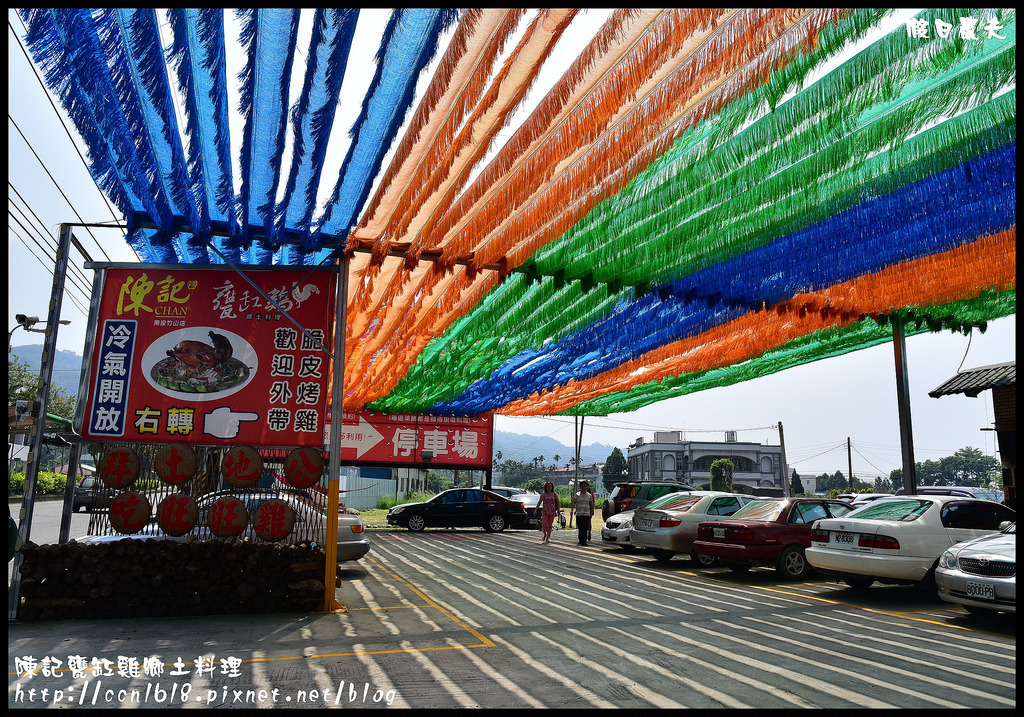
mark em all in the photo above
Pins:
pixel 704 197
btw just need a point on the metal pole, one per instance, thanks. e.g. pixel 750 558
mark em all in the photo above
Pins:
pixel 330 602
pixel 899 344
pixel 60 269
pixel 849 464
pixel 786 488
pixel 69 491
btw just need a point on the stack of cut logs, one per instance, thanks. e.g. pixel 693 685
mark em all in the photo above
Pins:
pixel 157 578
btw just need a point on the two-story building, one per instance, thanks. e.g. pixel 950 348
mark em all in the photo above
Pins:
pixel 669 457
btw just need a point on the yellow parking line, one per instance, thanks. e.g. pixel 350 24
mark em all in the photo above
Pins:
pixel 906 615
pixel 485 642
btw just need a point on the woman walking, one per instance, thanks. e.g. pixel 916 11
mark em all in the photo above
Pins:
pixel 548 506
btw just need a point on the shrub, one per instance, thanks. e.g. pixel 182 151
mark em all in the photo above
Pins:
pixel 414 497
pixel 46 483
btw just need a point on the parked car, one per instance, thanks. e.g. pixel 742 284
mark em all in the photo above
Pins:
pixel 85 494
pixel 768 532
pixel 967 491
pixel 859 499
pixel 862 498
pixel 981 574
pixel 530 501
pixel 899 540
pixel 615 530
pixel 507 491
pixel 668 526
pixel 460 508
pixel 630 496
pixel 352 543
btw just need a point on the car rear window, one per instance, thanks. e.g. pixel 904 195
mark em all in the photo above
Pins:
pixel 905 510
pixel 760 510
pixel 657 491
pixel 675 501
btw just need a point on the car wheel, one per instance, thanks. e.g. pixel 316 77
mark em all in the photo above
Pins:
pixel 662 556
pixel 858 582
pixel 702 561
pixel 739 567
pixel 928 587
pixel 416 523
pixel 496 524
pixel 792 564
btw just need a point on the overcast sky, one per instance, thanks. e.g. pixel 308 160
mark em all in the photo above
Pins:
pixel 820 405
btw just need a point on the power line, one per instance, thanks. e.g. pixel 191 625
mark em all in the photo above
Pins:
pixel 73 279
pixel 42 231
pixel 71 298
pixel 60 117
pixel 857 451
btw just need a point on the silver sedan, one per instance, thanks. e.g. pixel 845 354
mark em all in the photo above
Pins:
pixel 981 574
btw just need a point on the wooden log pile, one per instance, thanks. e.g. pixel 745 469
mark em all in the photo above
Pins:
pixel 158 578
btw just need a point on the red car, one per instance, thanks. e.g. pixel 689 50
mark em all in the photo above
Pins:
pixel 768 532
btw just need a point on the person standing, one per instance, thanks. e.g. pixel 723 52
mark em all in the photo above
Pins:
pixel 583 507
pixel 548 506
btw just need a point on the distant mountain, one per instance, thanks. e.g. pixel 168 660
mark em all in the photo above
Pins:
pixel 67 366
pixel 525 448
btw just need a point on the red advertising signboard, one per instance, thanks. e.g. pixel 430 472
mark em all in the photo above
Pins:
pixel 401 439
pixel 198 355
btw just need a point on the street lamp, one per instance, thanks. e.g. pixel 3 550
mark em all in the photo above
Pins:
pixel 27 322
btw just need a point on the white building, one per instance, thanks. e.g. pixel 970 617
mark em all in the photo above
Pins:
pixel 669 457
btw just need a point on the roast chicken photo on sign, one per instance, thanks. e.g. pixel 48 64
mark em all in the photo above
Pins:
pixel 197 367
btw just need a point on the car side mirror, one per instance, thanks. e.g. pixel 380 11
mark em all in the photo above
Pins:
pixel 1006 524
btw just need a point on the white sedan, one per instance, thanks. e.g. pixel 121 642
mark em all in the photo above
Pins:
pixel 616 530
pixel 899 540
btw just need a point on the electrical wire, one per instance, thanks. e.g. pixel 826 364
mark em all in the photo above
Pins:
pixel 60 117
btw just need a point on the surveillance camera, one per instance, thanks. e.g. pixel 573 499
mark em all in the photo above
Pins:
pixel 24 320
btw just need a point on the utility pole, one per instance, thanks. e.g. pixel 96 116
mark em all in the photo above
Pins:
pixel 785 473
pixel 849 464
pixel 899 344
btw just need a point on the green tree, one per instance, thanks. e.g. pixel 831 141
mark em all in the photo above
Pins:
pixel 22 382
pixel 968 466
pixel 837 482
pixel 534 485
pixel 516 473
pixel 436 482
pixel 796 486
pixel 615 469
pixel 721 475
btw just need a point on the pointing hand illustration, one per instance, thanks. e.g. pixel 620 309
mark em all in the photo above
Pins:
pixel 225 423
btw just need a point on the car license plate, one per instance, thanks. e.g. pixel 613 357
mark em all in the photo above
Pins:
pixel 981 590
pixel 646 524
pixel 718 532
pixel 846 538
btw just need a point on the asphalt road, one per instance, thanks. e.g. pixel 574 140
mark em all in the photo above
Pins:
pixel 450 619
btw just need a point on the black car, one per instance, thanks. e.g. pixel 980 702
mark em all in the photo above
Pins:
pixel 635 495
pixel 87 495
pixel 460 508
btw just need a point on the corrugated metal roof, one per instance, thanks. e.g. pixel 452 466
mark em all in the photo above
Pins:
pixel 973 381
